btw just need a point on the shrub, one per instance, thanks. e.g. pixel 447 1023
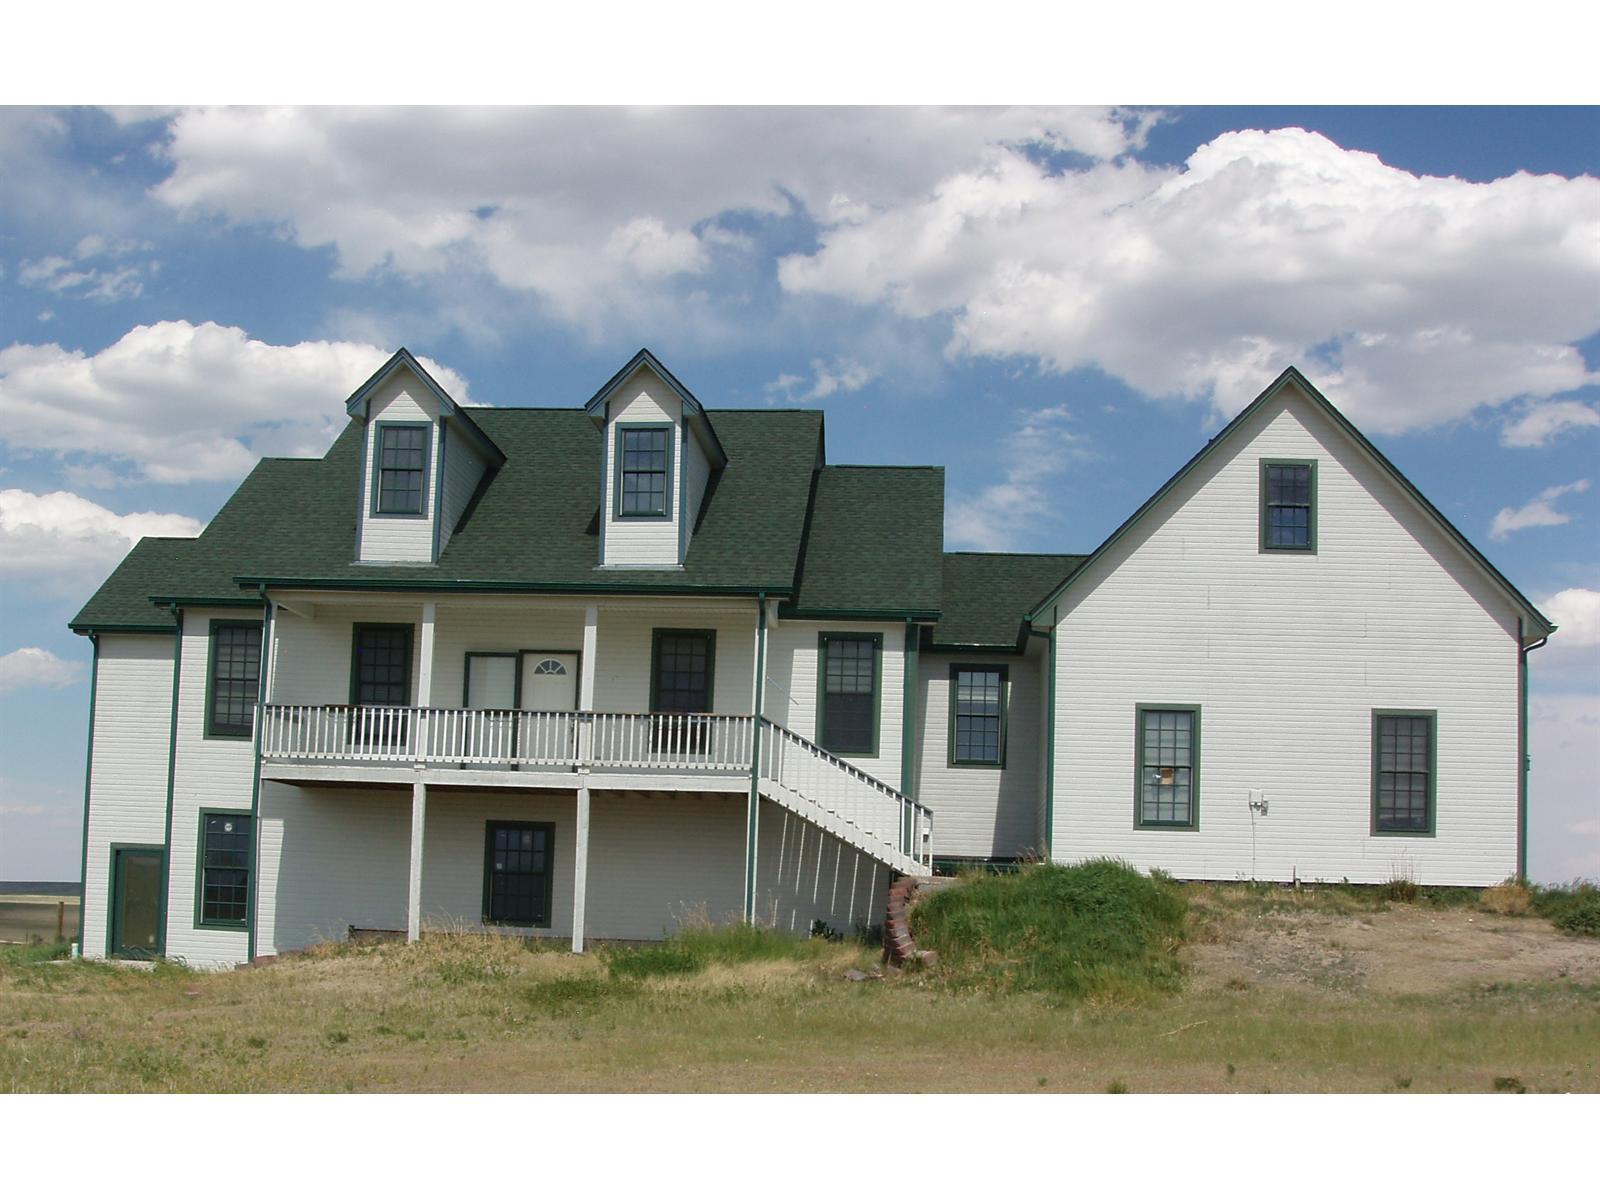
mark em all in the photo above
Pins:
pixel 1509 899
pixel 1099 929
pixel 1574 907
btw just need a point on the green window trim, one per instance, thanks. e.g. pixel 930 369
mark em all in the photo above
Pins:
pixel 956 671
pixel 710 636
pixel 421 512
pixel 826 736
pixel 230 730
pixel 1140 711
pixel 1379 715
pixel 1267 544
pixel 548 829
pixel 669 449
pixel 201 921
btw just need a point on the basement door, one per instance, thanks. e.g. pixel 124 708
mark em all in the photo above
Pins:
pixel 136 908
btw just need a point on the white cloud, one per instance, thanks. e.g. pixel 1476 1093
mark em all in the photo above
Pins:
pixel 1563 805
pixel 63 543
pixel 179 403
pixel 1412 301
pixel 827 378
pixel 1041 450
pixel 605 215
pixel 33 667
pixel 77 273
pixel 1577 611
pixel 1540 424
pixel 1541 510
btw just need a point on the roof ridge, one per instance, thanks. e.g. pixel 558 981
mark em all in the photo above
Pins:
pixel 884 467
pixel 1016 553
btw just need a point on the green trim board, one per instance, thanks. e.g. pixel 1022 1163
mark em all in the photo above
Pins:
pixel 710 635
pixel 824 734
pixel 426 500
pixel 438 506
pixel 200 867
pixel 1050 745
pixel 88 789
pixel 262 685
pixel 172 765
pixel 549 830
pixel 212 729
pixel 1432 718
pixel 1293 375
pixel 1193 767
pixel 669 450
pixel 956 670
pixel 910 693
pixel 114 910
pixel 1265 544
pixel 752 816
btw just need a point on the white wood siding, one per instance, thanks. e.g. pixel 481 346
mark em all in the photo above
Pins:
pixel 792 686
pixel 1288 655
pixel 643 399
pixel 402 397
pixel 463 469
pixel 983 812
pixel 209 773
pixel 622 658
pixel 311 658
pixel 534 624
pixel 805 875
pixel 128 777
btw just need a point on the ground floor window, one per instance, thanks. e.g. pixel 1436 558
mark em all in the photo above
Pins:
pixel 1167 758
pixel 517 873
pixel 224 886
pixel 1402 772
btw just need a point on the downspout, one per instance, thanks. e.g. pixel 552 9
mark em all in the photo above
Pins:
pixel 908 730
pixel 88 778
pixel 172 773
pixel 1524 760
pixel 752 812
pixel 255 775
pixel 1050 752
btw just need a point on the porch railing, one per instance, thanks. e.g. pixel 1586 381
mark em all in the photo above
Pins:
pixel 689 742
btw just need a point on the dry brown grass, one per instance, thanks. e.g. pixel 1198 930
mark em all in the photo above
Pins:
pixel 1509 899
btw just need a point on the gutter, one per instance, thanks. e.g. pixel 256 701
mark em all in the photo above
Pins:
pixel 1524 759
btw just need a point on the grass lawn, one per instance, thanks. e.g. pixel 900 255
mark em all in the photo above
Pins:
pixel 1276 991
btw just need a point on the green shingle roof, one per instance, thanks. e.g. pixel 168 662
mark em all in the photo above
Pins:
pixel 874 543
pixel 986 596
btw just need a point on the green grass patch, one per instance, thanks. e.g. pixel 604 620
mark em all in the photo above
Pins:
pixel 690 951
pixel 1573 907
pixel 1098 930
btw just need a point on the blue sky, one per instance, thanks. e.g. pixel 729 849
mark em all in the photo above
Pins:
pixel 1058 305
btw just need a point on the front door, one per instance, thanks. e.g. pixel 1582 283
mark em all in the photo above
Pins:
pixel 136 902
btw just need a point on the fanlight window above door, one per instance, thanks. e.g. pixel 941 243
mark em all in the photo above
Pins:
pixel 551 666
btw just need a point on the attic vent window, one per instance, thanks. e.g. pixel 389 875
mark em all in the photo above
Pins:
pixel 1289 507
pixel 402 470
pixel 644 470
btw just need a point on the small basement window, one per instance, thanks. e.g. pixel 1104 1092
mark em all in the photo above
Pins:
pixel 1289 506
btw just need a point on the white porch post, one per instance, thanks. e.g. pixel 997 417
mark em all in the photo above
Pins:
pixel 419 789
pixel 580 845
pixel 419 813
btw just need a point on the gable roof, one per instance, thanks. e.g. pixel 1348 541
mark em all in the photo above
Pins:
pixel 1293 375
pixel 873 545
pixel 402 358
pixel 694 411
pixel 987 597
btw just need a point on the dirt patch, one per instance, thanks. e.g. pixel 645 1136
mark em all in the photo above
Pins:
pixel 1406 950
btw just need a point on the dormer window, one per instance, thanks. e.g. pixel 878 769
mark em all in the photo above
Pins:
pixel 402 481
pixel 1289 506
pixel 644 482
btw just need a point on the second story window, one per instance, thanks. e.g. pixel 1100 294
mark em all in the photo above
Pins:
pixel 232 678
pixel 644 471
pixel 848 715
pixel 402 470
pixel 1289 506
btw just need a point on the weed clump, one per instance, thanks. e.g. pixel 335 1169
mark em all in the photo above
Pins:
pixel 1097 930
pixel 1573 907
pixel 1509 899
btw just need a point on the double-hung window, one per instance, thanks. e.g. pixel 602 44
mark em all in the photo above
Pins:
pixel 232 678
pixel 977 716
pixel 517 873
pixel 682 669
pixel 644 471
pixel 1167 762
pixel 402 470
pixel 380 682
pixel 223 899
pixel 1289 506
pixel 1403 766
pixel 850 671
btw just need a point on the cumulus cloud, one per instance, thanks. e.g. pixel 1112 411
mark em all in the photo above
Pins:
pixel 1540 424
pixel 32 666
pixel 62 543
pixel 1412 301
pixel 179 403
pixel 598 213
pixel 1577 611
pixel 827 378
pixel 1541 510
pixel 1042 448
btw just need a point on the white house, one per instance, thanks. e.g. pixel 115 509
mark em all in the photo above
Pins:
pixel 594 672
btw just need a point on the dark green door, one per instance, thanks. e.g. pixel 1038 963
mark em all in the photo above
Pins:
pixel 136 925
